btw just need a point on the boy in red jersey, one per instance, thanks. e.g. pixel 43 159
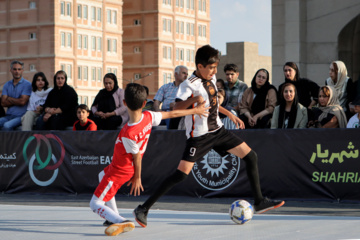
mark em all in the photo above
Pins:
pixel 84 123
pixel 129 148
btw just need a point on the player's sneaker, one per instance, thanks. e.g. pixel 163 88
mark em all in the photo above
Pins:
pixel 140 214
pixel 107 223
pixel 267 204
pixel 117 228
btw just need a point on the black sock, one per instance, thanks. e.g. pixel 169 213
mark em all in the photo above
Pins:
pixel 167 184
pixel 253 175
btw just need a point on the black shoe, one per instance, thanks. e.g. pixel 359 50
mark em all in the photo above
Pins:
pixel 140 214
pixel 107 223
pixel 267 204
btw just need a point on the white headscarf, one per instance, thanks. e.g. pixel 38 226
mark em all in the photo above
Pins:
pixel 340 85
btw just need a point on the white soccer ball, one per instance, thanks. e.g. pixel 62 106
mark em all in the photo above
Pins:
pixel 241 211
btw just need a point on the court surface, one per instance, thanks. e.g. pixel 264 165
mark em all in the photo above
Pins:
pixel 37 218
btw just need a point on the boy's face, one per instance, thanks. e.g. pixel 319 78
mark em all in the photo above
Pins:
pixel 357 108
pixel 82 114
pixel 207 72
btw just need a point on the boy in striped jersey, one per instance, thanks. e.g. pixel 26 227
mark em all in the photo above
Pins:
pixel 207 133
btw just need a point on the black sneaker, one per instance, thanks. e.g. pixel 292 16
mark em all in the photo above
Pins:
pixel 267 204
pixel 107 223
pixel 140 214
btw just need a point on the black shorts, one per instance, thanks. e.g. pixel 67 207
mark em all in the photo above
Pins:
pixel 221 141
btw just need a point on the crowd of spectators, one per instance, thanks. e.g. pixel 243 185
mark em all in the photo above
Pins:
pixel 297 103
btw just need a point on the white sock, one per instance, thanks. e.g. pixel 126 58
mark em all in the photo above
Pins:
pixel 98 206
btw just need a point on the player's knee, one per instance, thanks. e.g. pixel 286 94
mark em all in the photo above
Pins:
pixel 251 157
pixel 94 203
pixel 178 176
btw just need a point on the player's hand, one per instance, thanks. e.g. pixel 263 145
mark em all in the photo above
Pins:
pixel 201 110
pixel 199 99
pixel 238 122
pixel 136 186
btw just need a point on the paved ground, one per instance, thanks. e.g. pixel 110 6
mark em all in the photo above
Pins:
pixel 37 217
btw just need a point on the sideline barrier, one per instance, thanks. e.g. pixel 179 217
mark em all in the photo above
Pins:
pixel 306 164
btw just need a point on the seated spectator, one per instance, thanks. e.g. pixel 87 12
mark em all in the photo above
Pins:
pixel 220 84
pixel 328 113
pixel 306 89
pixel 40 91
pixel 60 105
pixel 2 111
pixel 149 103
pixel 354 121
pixel 82 113
pixel 344 86
pixel 290 113
pixel 108 107
pixel 258 101
pixel 228 124
pixel 234 87
pixel 15 96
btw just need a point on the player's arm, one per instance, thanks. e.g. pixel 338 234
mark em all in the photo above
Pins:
pixel 239 124
pixel 18 101
pixel 188 102
pixel 135 181
pixel 200 110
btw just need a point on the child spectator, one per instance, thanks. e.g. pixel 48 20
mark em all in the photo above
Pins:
pixel 83 112
pixel 354 120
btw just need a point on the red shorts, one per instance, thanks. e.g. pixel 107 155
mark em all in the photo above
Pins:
pixel 112 181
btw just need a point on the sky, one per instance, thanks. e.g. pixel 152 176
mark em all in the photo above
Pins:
pixel 241 21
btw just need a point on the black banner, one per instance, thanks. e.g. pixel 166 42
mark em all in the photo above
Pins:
pixel 312 164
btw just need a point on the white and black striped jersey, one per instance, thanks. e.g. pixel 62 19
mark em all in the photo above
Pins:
pixel 195 86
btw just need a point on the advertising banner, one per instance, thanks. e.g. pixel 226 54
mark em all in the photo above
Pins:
pixel 309 164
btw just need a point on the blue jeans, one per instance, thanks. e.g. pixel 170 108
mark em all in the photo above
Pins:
pixel 9 122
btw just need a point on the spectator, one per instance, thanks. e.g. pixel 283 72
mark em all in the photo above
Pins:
pixel 234 87
pixel 344 86
pixel 328 113
pixel 258 101
pixel 220 84
pixel 228 124
pixel 108 107
pixel 2 111
pixel 149 103
pixel 15 96
pixel 355 120
pixel 307 90
pixel 82 113
pixel 166 95
pixel 60 105
pixel 40 91
pixel 290 113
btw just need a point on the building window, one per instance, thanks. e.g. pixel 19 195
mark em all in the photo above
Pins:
pixel 99 14
pixel 204 30
pixel 114 45
pixel 114 17
pixel 182 27
pixel 79 99
pixel 32 35
pixel 85 10
pixel 182 3
pixel 137 49
pixel 79 41
pixel 85 73
pixel 188 4
pixel 164 25
pixel 79 11
pixel 99 74
pixel 188 55
pixel 109 45
pixel 164 78
pixel 188 28
pixel 68 9
pixel 79 72
pixel 85 42
pixel 62 37
pixel 204 6
pixel 177 27
pixel 167 52
pixel 177 3
pixel 181 54
pixel 192 4
pixel 137 76
pixel 192 29
pixel 69 40
pixel 177 54
pixel 32 5
pixel 200 5
pixel 62 67
pixel 99 43
pixel 32 68
pixel 93 43
pixel 168 79
pixel 167 2
pixel 137 22
pixel 69 71
pixel 108 16
pixel 93 13
pixel 85 100
pixel 62 8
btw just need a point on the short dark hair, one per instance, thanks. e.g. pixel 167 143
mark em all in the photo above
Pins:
pixel 135 96
pixel 206 55
pixel 16 62
pixel 295 67
pixel 36 75
pixel 146 89
pixel 221 81
pixel 83 107
pixel 231 67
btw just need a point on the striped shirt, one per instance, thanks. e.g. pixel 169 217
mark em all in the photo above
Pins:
pixel 195 86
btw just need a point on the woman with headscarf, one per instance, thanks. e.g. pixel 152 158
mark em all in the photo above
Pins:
pixel 60 105
pixel 289 113
pixel 108 107
pixel 258 101
pixel 343 85
pixel 307 90
pixel 328 113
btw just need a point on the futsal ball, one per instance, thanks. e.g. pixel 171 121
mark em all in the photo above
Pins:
pixel 241 212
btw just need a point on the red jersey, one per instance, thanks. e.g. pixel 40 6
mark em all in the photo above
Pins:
pixel 132 139
pixel 88 126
